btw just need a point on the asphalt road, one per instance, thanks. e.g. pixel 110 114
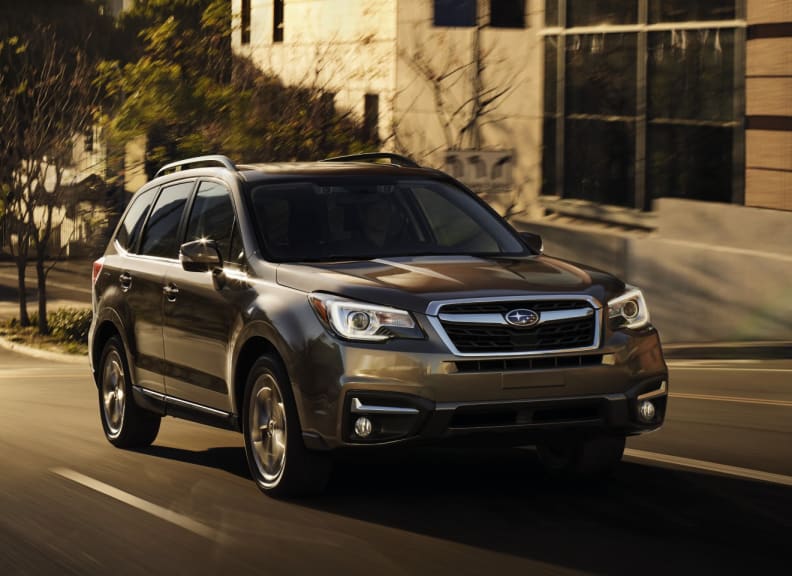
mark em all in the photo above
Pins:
pixel 72 504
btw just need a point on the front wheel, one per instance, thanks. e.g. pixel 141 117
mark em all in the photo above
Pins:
pixel 125 424
pixel 278 460
pixel 588 457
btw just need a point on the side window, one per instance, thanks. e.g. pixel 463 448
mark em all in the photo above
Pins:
pixel 160 237
pixel 129 232
pixel 237 255
pixel 212 217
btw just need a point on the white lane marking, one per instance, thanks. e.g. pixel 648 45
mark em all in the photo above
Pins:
pixel 163 513
pixel 710 466
pixel 738 399
pixel 718 361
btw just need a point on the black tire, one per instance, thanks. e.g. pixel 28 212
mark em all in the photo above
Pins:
pixel 581 457
pixel 125 424
pixel 279 462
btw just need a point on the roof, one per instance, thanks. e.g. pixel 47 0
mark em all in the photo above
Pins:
pixel 368 164
pixel 252 172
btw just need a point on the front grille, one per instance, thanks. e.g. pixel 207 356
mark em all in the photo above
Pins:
pixel 474 338
pixel 524 364
pixel 502 307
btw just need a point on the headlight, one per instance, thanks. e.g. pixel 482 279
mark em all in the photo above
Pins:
pixel 362 321
pixel 629 310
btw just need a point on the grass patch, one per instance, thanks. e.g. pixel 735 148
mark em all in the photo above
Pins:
pixel 68 327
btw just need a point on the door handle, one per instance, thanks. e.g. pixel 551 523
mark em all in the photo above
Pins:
pixel 170 292
pixel 125 279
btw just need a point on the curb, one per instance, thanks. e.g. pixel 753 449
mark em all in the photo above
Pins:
pixel 44 354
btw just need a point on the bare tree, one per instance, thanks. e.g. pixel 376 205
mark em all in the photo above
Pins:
pixel 15 208
pixel 50 99
pixel 460 119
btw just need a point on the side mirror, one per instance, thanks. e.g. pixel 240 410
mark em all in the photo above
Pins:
pixel 200 256
pixel 533 241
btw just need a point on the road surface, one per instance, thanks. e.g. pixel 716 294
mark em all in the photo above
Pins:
pixel 72 504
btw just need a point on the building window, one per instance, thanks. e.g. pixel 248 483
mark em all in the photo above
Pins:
pixel 277 21
pixel 455 13
pixel 88 140
pixel 245 31
pixel 601 12
pixel 507 13
pixel 371 117
pixel 637 110
pixel 685 10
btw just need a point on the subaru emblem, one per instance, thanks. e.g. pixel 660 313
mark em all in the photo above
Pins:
pixel 522 317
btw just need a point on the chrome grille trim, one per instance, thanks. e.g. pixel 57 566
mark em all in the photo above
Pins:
pixel 500 320
pixel 434 316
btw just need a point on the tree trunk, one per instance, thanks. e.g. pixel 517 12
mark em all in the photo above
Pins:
pixel 24 319
pixel 41 277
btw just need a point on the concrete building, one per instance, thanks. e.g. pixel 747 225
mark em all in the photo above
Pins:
pixel 428 77
pixel 607 107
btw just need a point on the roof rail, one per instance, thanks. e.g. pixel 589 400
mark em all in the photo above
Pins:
pixel 216 159
pixel 395 159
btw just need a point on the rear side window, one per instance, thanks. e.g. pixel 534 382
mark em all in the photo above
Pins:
pixel 161 235
pixel 130 229
pixel 212 217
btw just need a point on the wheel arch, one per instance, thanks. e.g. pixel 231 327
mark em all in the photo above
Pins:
pixel 107 326
pixel 253 348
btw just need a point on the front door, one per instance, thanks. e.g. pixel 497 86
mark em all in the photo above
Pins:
pixel 201 310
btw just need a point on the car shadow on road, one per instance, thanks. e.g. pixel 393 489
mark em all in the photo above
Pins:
pixel 645 519
pixel 227 458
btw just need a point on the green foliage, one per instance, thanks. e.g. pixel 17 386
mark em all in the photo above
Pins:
pixel 185 90
pixel 70 324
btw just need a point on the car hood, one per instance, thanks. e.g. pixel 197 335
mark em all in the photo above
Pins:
pixel 411 283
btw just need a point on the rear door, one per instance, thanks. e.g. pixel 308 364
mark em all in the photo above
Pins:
pixel 144 273
pixel 130 294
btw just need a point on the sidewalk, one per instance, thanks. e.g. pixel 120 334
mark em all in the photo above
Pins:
pixel 729 351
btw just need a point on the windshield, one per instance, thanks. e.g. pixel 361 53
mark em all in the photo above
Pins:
pixel 359 219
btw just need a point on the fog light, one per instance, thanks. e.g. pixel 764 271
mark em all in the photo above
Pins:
pixel 646 411
pixel 363 426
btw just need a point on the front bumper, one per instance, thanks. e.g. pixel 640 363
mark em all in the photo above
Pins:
pixel 414 396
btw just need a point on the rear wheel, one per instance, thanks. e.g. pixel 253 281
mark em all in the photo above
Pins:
pixel 591 457
pixel 279 462
pixel 125 424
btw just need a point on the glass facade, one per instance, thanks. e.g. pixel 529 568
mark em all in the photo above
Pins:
pixel 643 99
